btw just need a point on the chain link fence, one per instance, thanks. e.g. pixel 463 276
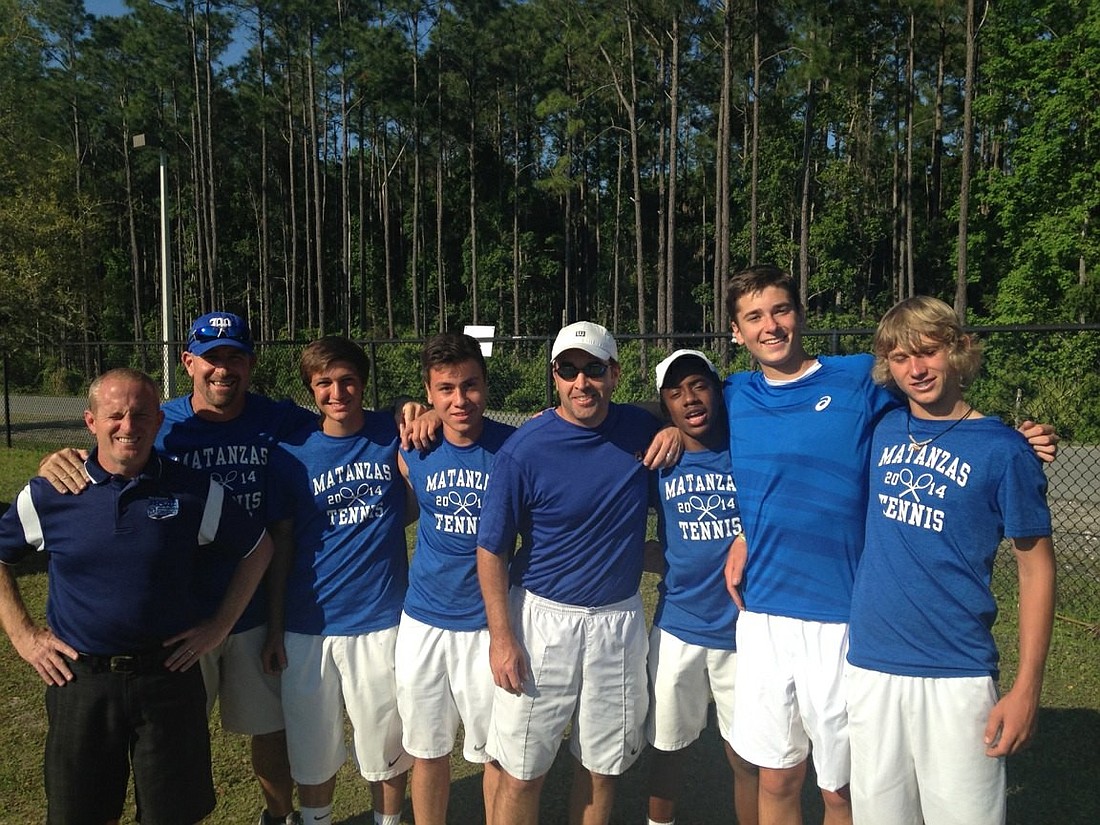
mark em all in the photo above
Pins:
pixel 44 400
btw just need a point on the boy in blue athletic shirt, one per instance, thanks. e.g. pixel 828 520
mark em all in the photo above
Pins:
pixel 338 580
pixel 443 674
pixel 800 440
pixel 692 654
pixel 928 731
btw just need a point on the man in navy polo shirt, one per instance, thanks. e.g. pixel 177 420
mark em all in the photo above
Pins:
pixel 123 625
pixel 224 430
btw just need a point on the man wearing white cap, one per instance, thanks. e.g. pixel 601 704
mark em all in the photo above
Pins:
pixel 566 627
pixel 692 650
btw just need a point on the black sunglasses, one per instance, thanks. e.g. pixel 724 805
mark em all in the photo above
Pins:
pixel 234 332
pixel 593 369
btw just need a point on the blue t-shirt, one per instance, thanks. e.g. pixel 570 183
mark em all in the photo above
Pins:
pixel 577 497
pixel 123 555
pixel 922 604
pixel 234 453
pixel 697 520
pixel 800 453
pixel 347 500
pixel 449 482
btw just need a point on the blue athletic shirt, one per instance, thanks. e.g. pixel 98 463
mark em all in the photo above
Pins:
pixel 922 604
pixel 577 497
pixel 234 453
pixel 347 500
pixel 449 482
pixel 800 455
pixel 697 520
pixel 123 554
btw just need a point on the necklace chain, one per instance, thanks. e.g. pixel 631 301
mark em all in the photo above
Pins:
pixel 920 445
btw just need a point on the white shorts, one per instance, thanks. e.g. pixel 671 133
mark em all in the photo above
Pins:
pixel 233 673
pixel 917 750
pixel 443 678
pixel 790 692
pixel 588 668
pixel 324 676
pixel 682 680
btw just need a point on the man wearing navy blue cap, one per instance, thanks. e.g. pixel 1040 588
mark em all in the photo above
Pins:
pixel 225 431
pixel 123 625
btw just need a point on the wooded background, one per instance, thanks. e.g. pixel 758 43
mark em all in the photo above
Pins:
pixel 395 167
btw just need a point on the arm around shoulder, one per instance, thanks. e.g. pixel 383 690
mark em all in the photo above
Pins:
pixel 64 470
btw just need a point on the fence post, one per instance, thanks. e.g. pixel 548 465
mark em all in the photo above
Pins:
pixel 374 375
pixel 7 403
pixel 549 375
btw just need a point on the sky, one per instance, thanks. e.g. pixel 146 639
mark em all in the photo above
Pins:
pixel 116 8
pixel 105 8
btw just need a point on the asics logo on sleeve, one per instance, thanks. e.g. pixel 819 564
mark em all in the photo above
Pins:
pixel 823 402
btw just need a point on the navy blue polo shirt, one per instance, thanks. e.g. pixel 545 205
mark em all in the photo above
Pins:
pixel 122 555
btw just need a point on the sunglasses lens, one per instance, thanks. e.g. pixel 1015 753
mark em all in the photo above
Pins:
pixel 594 370
pixel 232 332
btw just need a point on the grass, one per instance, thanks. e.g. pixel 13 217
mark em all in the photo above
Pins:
pixel 1053 782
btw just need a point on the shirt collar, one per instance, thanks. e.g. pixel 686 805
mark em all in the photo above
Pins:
pixel 151 471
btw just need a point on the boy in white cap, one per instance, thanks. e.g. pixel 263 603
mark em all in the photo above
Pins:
pixel 566 626
pixel 692 651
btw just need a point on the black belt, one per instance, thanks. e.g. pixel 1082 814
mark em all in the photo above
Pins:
pixel 147 662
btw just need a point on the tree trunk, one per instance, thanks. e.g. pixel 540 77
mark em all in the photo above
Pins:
pixel 722 184
pixel 807 191
pixel 966 151
pixel 472 160
pixel 414 251
pixel 317 143
pixel 673 171
pixel 910 94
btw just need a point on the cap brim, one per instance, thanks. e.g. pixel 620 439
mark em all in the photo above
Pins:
pixel 203 347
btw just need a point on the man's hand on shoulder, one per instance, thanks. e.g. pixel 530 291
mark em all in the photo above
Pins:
pixel 665 449
pixel 419 426
pixel 65 470
pixel 1042 438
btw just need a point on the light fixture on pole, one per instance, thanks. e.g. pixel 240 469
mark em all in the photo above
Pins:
pixel 168 360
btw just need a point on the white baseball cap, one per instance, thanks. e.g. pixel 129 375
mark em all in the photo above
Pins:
pixel 587 336
pixel 663 367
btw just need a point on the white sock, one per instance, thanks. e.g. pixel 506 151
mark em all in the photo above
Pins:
pixel 655 822
pixel 387 819
pixel 313 816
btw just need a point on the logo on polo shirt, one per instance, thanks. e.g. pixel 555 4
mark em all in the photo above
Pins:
pixel 162 508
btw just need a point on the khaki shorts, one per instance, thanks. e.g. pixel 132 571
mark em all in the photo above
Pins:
pixel 233 673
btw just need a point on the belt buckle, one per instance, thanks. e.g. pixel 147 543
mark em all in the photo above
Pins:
pixel 122 664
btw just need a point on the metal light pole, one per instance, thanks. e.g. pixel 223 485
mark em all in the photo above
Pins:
pixel 168 360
